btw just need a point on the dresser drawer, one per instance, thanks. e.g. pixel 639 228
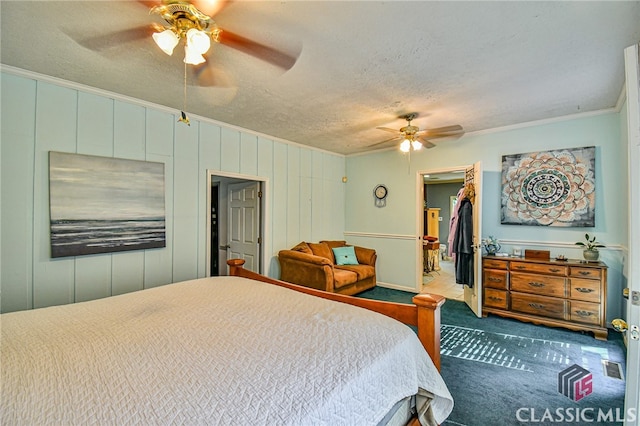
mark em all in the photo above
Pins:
pixel 538 284
pixel 495 263
pixel 495 298
pixel 495 278
pixel 587 290
pixel 540 268
pixel 585 312
pixel 577 271
pixel 550 307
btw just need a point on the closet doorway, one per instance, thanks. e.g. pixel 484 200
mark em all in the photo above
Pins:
pixel 438 197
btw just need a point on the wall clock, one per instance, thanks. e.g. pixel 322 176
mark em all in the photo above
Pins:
pixel 380 193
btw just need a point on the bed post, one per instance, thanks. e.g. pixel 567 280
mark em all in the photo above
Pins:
pixel 235 265
pixel 429 323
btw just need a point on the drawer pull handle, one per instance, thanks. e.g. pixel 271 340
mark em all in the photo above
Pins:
pixel 495 299
pixel 536 305
pixel 495 280
pixel 584 290
pixel 585 273
pixel 520 267
pixel 584 313
pixel 555 269
pixel 536 284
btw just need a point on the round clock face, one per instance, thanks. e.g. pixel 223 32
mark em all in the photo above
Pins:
pixel 380 192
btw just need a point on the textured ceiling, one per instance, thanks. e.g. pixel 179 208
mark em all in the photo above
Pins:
pixel 361 64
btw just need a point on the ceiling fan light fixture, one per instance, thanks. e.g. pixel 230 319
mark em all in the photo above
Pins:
pixel 191 56
pixel 198 41
pixel 405 146
pixel 166 40
pixel 416 145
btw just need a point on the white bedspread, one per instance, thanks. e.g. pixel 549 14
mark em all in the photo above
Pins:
pixel 220 350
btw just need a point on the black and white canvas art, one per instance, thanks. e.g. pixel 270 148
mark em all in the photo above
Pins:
pixel 104 205
pixel 549 188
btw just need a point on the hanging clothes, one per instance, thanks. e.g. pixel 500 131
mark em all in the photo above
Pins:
pixel 463 242
pixel 453 223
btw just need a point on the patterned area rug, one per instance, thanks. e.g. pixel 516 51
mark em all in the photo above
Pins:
pixel 503 350
pixel 506 372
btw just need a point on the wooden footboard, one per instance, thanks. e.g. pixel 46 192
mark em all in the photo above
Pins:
pixel 424 313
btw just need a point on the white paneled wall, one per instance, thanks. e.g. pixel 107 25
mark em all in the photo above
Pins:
pixel 306 193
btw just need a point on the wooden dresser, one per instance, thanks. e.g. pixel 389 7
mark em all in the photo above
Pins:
pixel 570 294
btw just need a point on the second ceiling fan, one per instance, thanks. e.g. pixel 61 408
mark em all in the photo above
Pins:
pixel 414 138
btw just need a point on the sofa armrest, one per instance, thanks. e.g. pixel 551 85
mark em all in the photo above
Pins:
pixel 306 269
pixel 366 256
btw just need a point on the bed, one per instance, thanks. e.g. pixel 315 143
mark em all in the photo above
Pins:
pixel 223 350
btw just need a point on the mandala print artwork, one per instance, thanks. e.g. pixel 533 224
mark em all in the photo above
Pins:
pixel 549 188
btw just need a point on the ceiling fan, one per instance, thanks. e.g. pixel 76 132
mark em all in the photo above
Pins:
pixel 187 20
pixel 412 137
pixel 179 18
pixel 191 22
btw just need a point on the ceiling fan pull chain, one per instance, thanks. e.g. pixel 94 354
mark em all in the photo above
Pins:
pixel 183 115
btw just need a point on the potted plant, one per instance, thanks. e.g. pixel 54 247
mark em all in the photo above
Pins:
pixel 591 246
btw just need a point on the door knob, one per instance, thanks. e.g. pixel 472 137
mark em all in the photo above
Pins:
pixel 619 325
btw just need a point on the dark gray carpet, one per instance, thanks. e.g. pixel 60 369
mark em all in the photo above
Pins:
pixel 505 372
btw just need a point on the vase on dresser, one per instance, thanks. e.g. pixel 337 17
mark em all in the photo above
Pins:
pixel 591 255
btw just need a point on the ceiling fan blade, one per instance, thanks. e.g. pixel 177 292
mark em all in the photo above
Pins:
pixel 397 138
pixel 386 129
pixel 426 143
pixel 210 7
pixel 114 39
pixel 150 3
pixel 268 54
pixel 441 132
pixel 208 74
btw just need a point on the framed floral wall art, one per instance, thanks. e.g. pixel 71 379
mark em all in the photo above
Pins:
pixel 549 188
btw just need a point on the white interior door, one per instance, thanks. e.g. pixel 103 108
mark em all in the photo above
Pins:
pixel 632 397
pixel 244 224
pixel 473 295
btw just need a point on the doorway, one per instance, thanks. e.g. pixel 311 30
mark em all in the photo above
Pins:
pixel 469 178
pixel 440 192
pixel 236 221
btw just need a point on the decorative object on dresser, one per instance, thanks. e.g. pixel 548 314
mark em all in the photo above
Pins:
pixel 570 293
pixel 491 245
pixel 591 247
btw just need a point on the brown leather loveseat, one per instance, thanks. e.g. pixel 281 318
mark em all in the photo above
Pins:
pixel 315 265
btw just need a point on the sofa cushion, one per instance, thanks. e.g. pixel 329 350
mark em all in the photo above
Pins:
pixel 322 250
pixel 334 243
pixel 343 277
pixel 303 248
pixel 345 255
pixel 362 271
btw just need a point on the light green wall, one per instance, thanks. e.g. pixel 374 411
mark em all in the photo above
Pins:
pixel 305 189
pixel 374 227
